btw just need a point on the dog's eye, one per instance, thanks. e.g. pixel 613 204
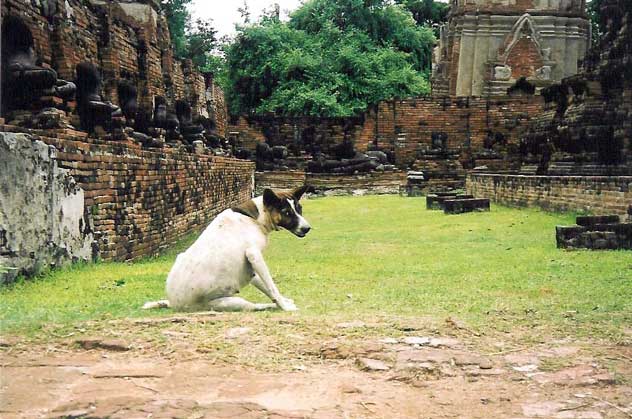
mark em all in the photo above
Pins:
pixel 286 212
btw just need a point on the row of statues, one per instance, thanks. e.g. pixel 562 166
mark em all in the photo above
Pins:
pixel 30 86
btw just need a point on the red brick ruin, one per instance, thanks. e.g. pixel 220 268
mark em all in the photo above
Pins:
pixel 124 146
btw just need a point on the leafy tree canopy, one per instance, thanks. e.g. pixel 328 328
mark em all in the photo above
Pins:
pixel 177 17
pixel 332 58
pixel 194 40
pixel 427 12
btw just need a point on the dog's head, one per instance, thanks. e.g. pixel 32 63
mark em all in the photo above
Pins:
pixel 285 209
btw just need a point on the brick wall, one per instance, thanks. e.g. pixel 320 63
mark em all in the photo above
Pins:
pixel 125 40
pixel 332 184
pixel 302 133
pixel 524 58
pixel 404 127
pixel 596 194
pixel 464 121
pixel 139 200
pixel 215 96
pixel 587 126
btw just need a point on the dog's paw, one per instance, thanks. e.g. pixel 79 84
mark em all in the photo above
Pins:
pixel 287 304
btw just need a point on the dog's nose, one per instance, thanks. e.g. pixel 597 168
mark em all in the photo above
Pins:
pixel 305 230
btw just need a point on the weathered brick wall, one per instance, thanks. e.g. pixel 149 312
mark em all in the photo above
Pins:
pixel 407 126
pixel 37 21
pixel 332 184
pixel 143 200
pixel 595 194
pixel 287 179
pixel 301 133
pixel 404 127
pixel 246 134
pixel 126 40
pixel 587 126
pixel 215 96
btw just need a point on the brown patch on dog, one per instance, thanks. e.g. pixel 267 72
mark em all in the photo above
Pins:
pixel 248 209
pixel 273 203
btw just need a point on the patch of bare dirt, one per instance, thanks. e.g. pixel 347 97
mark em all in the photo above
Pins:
pixel 217 366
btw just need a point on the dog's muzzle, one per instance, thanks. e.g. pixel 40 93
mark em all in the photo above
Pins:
pixel 302 231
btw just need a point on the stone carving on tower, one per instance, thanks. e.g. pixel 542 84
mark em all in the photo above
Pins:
pixel 488 45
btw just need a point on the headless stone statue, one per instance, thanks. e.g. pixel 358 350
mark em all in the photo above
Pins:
pixel 128 99
pixel 166 120
pixel 190 130
pixel 93 111
pixel 24 81
pixel 160 112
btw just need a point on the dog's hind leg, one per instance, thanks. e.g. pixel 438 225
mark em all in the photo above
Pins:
pixel 237 304
pixel 156 304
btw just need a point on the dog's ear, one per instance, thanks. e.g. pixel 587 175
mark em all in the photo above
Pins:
pixel 270 199
pixel 298 192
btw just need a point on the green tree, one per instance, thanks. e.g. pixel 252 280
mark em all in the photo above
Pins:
pixel 427 12
pixel 330 59
pixel 201 43
pixel 194 40
pixel 178 18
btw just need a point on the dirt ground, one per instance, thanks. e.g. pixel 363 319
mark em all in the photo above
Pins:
pixel 232 366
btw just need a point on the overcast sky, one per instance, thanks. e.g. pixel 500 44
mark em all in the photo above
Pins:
pixel 224 12
pixel 225 15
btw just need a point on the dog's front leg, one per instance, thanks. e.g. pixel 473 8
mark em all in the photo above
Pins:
pixel 261 286
pixel 260 268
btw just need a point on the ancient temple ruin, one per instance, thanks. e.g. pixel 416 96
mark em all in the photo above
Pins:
pixel 586 128
pixel 488 45
pixel 110 147
pixel 578 151
pixel 493 58
pixel 133 146
pixel 119 56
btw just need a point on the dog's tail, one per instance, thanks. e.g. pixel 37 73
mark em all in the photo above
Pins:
pixel 156 304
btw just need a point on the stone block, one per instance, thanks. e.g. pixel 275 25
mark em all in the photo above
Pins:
pixel 589 221
pixel 432 200
pixel 459 206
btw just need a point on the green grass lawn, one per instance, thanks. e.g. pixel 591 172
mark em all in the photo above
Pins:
pixel 379 255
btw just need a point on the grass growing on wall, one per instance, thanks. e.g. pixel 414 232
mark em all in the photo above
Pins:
pixel 378 254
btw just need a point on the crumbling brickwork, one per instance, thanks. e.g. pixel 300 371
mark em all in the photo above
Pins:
pixel 482 128
pixel 587 124
pixel 594 194
pixel 332 184
pixel 440 136
pixel 140 201
pixel 302 133
pixel 126 40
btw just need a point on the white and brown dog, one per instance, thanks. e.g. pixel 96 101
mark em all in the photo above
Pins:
pixel 229 255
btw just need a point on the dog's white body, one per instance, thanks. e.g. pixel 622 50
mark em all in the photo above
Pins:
pixel 225 258
pixel 216 264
